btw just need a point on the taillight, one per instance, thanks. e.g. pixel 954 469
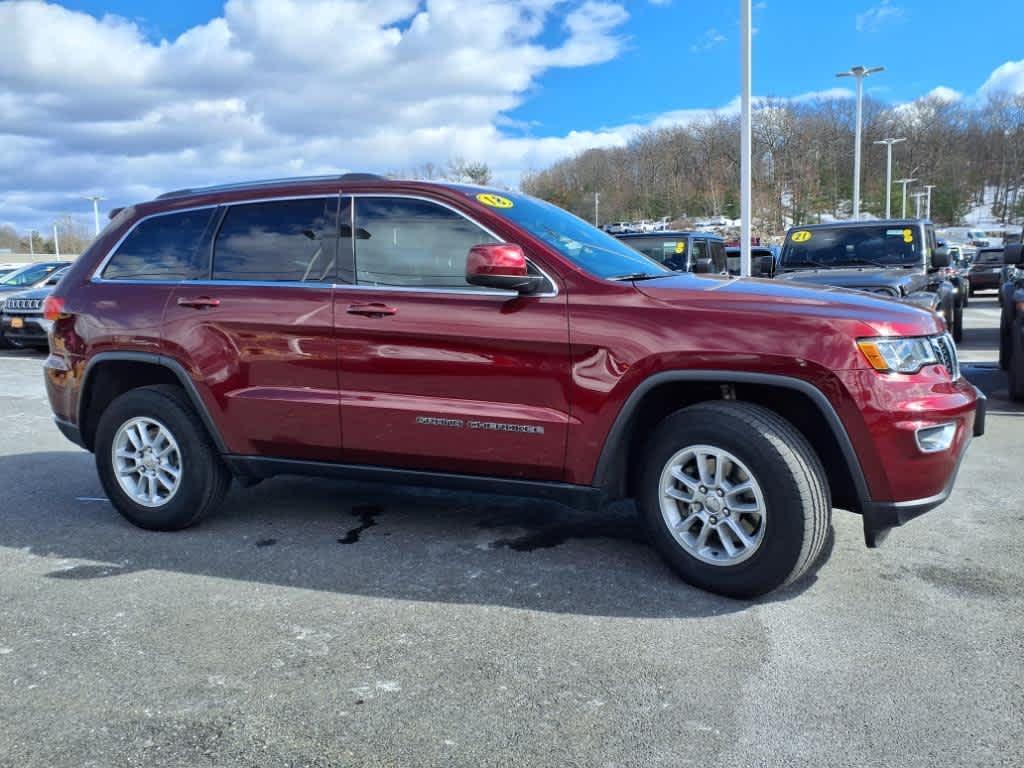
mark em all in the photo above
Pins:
pixel 53 307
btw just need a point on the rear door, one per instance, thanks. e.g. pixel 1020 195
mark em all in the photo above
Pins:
pixel 257 331
pixel 437 374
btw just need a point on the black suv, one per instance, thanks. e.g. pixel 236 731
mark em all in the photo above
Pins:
pixel 1011 325
pixel 899 259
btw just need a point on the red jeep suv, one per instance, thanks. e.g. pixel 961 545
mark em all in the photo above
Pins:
pixel 473 339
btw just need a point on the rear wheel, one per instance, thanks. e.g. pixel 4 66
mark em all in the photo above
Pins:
pixel 156 461
pixel 734 498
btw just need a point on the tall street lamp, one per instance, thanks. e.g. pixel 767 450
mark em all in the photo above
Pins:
pixel 928 210
pixel 746 133
pixel 904 182
pixel 859 72
pixel 888 173
pixel 917 199
pixel 95 209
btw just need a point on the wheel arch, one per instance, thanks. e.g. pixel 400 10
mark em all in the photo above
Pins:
pixel 668 391
pixel 110 374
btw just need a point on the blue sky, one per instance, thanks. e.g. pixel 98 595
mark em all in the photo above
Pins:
pixel 126 99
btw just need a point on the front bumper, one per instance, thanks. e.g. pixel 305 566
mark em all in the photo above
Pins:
pixel 879 517
pixel 34 329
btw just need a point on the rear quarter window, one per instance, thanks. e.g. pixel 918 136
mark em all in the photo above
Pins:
pixel 164 247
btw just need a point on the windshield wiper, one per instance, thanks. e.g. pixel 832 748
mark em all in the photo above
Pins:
pixel 641 276
pixel 873 263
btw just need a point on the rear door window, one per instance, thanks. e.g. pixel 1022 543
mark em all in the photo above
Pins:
pixel 700 248
pixel 718 257
pixel 413 243
pixel 164 247
pixel 279 241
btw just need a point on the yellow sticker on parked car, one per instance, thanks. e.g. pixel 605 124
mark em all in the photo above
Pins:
pixel 908 235
pixel 801 237
pixel 495 201
pixel 681 246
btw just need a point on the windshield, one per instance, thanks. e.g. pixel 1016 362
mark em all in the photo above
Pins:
pixel 27 275
pixel 990 257
pixel 881 246
pixel 598 253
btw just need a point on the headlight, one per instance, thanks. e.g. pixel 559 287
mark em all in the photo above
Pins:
pixel 899 355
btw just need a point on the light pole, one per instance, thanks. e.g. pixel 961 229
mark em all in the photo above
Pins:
pixel 745 138
pixel 56 241
pixel 597 209
pixel 95 209
pixel 904 182
pixel 917 200
pixel 859 72
pixel 888 173
pixel 928 210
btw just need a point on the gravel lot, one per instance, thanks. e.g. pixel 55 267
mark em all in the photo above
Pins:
pixel 314 623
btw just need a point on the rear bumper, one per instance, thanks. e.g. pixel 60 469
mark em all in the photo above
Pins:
pixel 70 431
pixel 879 517
pixel 984 281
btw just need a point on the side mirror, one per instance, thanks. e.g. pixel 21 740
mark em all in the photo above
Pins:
pixel 940 257
pixel 1013 255
pixel 703 266
pixel 500 265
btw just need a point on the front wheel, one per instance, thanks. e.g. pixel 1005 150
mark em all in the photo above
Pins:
pixel 734 498
pixel 1015 367
pixel 958 324
pixel 156 461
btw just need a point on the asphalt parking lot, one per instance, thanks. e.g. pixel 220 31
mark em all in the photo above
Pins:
pixel 319 624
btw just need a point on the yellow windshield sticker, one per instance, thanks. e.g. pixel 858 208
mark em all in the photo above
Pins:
pixel 495 201
pixel 801 237
pixel 908 235
pixel 681 246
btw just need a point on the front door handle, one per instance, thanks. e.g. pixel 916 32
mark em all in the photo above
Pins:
pixel 198 302
pixel 375 309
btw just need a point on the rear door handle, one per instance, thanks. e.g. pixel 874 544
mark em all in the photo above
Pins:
pixel 198 302
pixel 371 310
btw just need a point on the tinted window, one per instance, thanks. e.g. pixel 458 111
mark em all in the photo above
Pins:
pixel 990 257
pixel 700 249
pixel 280 241
pixel 413 243
pixel 718 256
pixel 162 248
pixel 669 250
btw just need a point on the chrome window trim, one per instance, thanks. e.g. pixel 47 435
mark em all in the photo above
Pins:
pixel 96 274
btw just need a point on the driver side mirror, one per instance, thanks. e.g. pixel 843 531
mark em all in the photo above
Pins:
pixel 1013 255
pixel 940 257
pixel 501 265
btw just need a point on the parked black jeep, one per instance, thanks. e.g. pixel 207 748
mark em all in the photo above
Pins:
pixel 899 259
pixel 1011 324
pixel 681 251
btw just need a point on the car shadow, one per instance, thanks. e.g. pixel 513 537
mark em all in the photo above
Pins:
pixel 356 539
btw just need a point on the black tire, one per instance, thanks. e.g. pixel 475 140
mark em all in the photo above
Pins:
pixel 797 499
pixel 958 324
pixel 966 297
pixel 204 478
pixel 1015 367
pixel 1004 347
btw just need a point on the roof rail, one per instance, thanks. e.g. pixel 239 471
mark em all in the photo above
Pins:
pixel 269 183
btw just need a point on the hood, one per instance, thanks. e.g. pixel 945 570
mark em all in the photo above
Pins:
pixel 861 313
pixel 850 277
pixel 33 293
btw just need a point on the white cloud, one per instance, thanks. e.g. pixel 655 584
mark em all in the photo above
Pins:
pixel 1008 77
pixel 707 41
pixel 944 93
pixel 873 18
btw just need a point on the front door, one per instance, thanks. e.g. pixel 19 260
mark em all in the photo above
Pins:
pixel 437 374
pixel 257 333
